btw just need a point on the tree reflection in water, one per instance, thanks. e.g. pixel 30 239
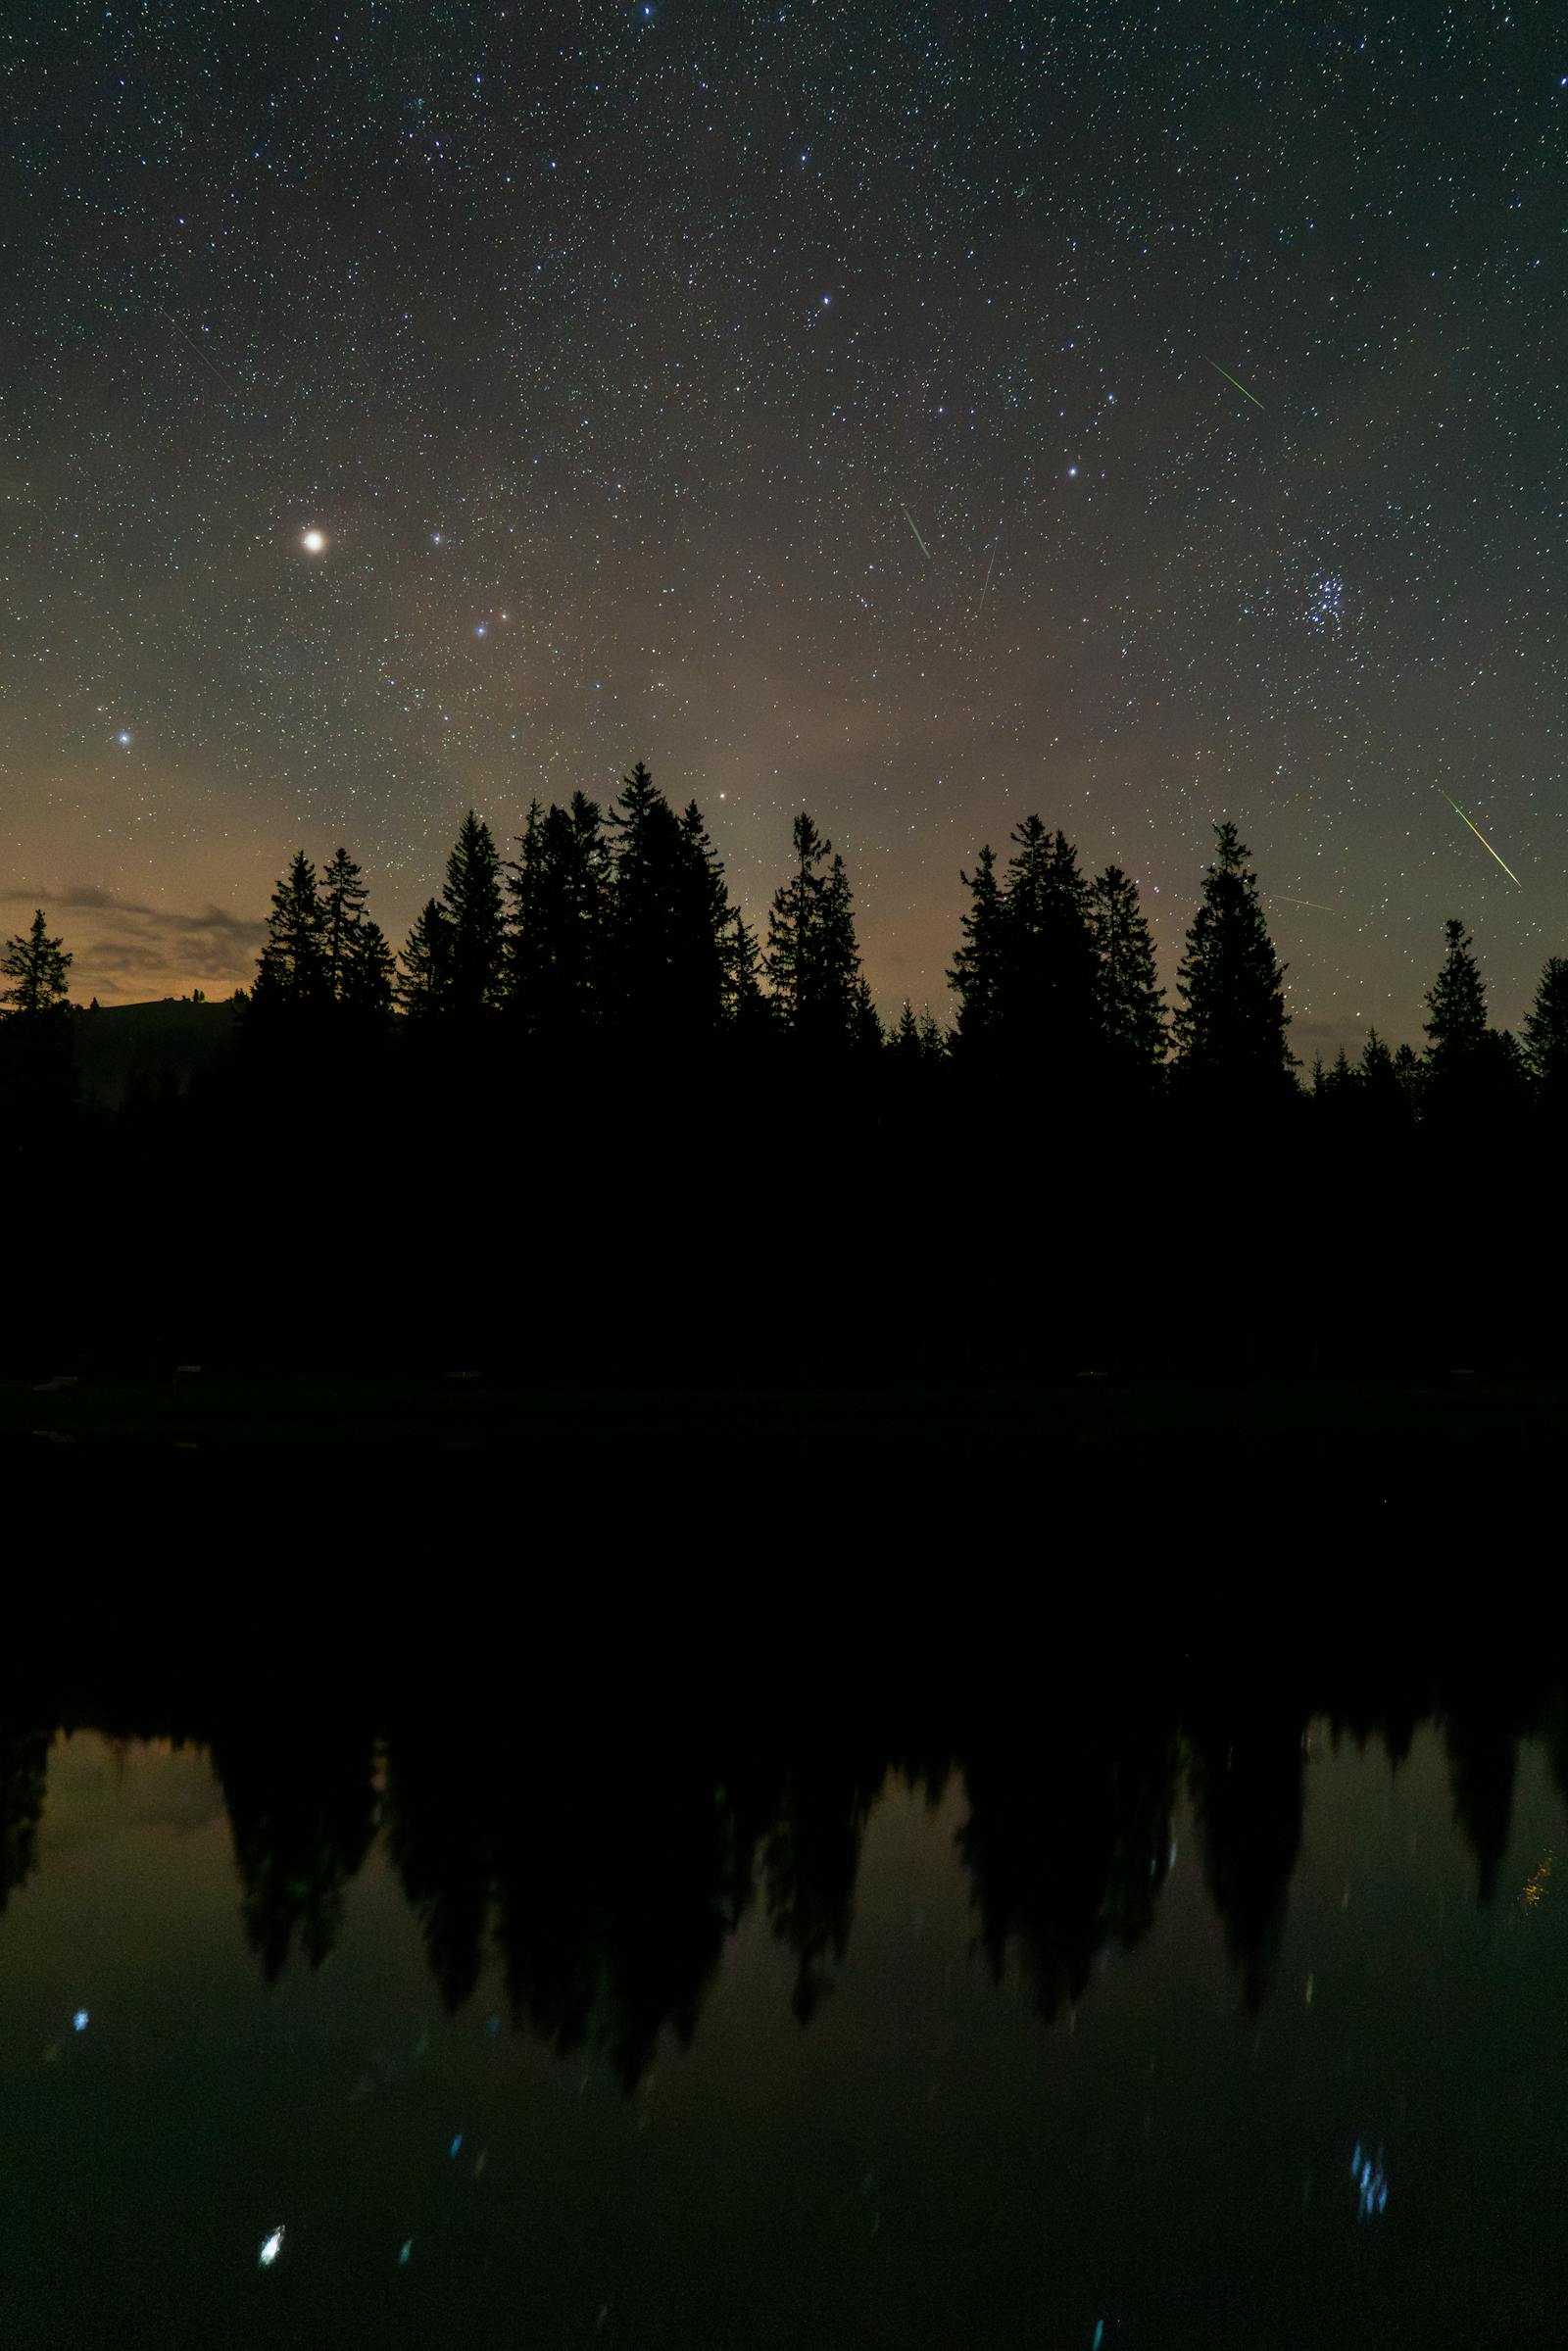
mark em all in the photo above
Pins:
pixel 607 1867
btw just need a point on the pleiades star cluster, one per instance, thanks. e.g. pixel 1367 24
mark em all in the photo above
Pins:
pixel 921 414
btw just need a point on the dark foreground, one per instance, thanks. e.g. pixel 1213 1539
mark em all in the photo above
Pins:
pixel 1070 1996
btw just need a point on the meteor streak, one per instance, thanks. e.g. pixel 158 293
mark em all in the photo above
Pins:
pixel 1242 388
pixel 990 567
pixel 914 526
pixel 1481 838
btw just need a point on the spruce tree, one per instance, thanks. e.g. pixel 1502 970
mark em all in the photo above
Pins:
pixel 366 981
pixel 932 1042
pixel 343 897
pixel 558 889
pixel 905 1042
pixel 475 929
pixel 291 972
pixel 1545 1038
pixel 1229 1025
pixel 812 962
pixel 1131 1002
pixel 424 987
pixel 1048 1011
pixel 1377 1063
pixel 1456 1005
pixel 977 975
pixel 715 955
pixel 1409 1074
pixel 669 914
pixel 745 1005
pixel 36 966
pixel 643 960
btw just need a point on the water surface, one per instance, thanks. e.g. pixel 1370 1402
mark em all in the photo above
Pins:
pixel 1121 2028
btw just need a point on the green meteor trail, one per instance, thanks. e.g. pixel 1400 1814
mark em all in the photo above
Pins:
pixel 914 526
pixel 1242 388
pixel 1481 838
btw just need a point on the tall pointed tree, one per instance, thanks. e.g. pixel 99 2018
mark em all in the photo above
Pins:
pixel 366 980
pixel 714 951
pixel 35 966
pixel 978 976
pixel 1456 1003
pixel 1131 1001
pixel 558 888
pixel 1049 1001
pixel 1231 1023
pixel 812 962
pixel 291 972
pixel 1475 1073
pixel 475 930
pixel 343 894
pixel 905 1042
pixel 1545 1037
pixel 424 987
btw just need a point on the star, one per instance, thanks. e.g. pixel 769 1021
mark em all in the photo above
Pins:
pixel 314 542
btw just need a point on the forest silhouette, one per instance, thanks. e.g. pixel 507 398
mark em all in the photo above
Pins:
pixel 599 1869
pixel 587 1124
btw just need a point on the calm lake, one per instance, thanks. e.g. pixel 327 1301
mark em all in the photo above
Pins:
pixel 1134 2026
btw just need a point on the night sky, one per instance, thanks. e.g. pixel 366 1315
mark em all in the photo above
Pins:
pixel 834 406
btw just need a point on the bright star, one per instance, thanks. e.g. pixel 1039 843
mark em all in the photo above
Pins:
pixel 79 2020
pixel 435 538
pixel 314 542
pixel 479 631
pixel 123 740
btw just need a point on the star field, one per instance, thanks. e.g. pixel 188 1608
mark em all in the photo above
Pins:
pixel 923 416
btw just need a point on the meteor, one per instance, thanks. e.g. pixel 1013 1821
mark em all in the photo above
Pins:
pixel 1481 838
pixel 1242 388
pixel 914 526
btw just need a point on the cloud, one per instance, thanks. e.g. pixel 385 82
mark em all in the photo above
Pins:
pixel 138 950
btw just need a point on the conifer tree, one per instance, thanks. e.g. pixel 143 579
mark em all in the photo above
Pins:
pixel 743 1002
pixel 291 972
pixel 1410 1077
pixel 559 890
pixel 36 966
pixel 37 1047
pixel 1377 1063
pixel 343 897
pixel 1229 1025
pixel 1048 990
pixel 424 987
pixel 977 974
pixel 905 1042
pixel 670 913
pixel 812 962
pixel 1456 1005
pixel 1130 999
pixel 1384 1101
pixel 367 978
pixel 718 949
pixel 866 1025
pixel 1545 1038
pixel 475 930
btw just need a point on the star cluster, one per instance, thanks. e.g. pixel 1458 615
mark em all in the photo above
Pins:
pixel 925 416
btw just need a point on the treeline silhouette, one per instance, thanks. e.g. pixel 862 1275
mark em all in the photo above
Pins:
pixel 605 1868
pixel 588 1122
